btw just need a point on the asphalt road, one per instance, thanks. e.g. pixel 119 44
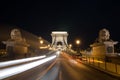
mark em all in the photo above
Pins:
pixel 62 68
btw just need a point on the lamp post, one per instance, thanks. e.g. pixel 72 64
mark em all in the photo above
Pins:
pixel 70 46
pixel 78 43
pixel 41 41
pixel 41 44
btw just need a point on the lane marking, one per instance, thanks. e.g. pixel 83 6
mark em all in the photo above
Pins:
pixel 45 71
pixel 60 75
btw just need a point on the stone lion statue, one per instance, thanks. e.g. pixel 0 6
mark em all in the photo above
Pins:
pixel 104 35
pixel 16 34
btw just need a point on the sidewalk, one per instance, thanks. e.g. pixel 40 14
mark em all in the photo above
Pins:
pixel 105 71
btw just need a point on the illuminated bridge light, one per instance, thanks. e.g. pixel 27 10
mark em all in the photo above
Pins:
pixel 58 32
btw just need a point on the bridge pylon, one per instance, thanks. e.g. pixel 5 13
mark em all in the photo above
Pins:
pixel 59 40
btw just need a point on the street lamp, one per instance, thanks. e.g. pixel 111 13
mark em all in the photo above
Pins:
pixel 78 43
pixel 70 46
pixel 41 41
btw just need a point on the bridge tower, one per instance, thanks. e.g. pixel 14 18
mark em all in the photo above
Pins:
pixel 59 40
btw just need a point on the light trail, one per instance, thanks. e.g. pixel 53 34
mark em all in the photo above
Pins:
pixel 4 73
pixel 8 63
pixel 57 53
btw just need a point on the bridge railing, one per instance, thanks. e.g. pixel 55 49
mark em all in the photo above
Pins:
pixel 101 64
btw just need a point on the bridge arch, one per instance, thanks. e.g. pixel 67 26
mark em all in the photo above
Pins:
pixel 59 40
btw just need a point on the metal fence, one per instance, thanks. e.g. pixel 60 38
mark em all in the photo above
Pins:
pixel 103 65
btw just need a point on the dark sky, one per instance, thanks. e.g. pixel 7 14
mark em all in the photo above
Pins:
pixel 81 18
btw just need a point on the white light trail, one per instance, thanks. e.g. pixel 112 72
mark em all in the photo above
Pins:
pixel 57 53
pixel 4 73
pixel 8 63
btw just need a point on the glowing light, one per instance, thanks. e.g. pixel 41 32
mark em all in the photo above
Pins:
pixel 98 61
pixel 78 42
pixel 70 45
pixel 44 47
pixel 8 63
pixel 4 73
pixel 59 32
pixel 73 61
pixel 58 52
pixel 41 41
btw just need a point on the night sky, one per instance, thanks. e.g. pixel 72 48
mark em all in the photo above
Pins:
pixel 81 18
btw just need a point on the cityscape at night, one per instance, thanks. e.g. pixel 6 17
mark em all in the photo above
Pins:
pixel 59 40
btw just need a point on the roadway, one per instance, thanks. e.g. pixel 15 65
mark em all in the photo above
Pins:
pixel 62 68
